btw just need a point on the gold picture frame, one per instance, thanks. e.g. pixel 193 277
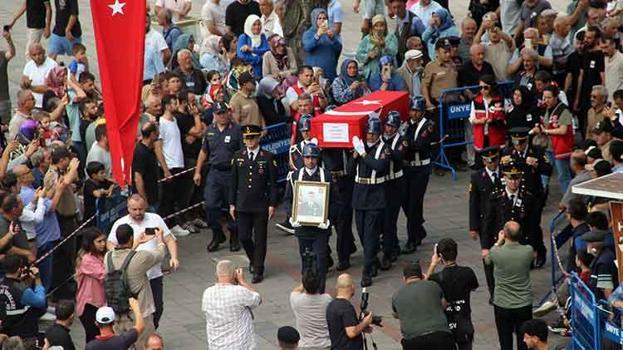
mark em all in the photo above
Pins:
pixel 310 202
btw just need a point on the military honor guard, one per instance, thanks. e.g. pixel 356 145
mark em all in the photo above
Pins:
pixel 253 197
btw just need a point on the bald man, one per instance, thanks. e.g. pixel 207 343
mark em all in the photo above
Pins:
pixel 344 326
pixel 35 71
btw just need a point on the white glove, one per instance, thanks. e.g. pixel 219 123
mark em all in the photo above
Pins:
pixel 295 224
pixel 358 145
pixel 314 141
pixel 325 225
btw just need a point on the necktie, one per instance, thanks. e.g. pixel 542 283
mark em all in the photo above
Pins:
pixel 512 199
pixel 251 156
pixel 495 177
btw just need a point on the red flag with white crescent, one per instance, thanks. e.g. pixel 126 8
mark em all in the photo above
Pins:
pixel 119 27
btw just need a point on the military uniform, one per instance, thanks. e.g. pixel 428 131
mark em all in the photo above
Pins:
pixel 483 183
pixel 253 190
pixel 335 161
pixel 369 202
pixel 417 168
pixel 310 237
pixel 395 193
pixel 220 147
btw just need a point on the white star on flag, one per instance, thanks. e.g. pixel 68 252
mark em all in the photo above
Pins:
pixel 117 7
pixel 368 102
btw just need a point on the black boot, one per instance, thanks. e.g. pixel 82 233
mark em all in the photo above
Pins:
pixel 216 241
pixel 386 262
pixel 409 248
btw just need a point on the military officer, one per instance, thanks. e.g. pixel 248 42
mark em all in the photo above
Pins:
pixel 416 141
pixel 221 140
pixel 369 164
pixel 295 161
pixel 536 167
pixel 312 237
pixel 484 182
pixel 253 197
pixel 335 161
pixel 513 202
pixel 394 188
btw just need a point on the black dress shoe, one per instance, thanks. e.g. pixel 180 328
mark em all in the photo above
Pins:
pixel 257 278
pixel 366 281
pixel 342 265
pixel 409 248
pixel 214 244
pixel 234 245
pixel 386 263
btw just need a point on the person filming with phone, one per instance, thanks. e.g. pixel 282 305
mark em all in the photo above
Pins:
pixel 228 306
pixel 22 299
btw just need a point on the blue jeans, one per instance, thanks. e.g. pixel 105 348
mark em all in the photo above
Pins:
pixel 45 266
pixel 60 45
pixel 563 170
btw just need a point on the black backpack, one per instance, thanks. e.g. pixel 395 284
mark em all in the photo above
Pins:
pixel 116 285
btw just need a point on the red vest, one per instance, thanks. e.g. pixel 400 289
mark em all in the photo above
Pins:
pixel 562 145
pixel 496 131
pixel 295 114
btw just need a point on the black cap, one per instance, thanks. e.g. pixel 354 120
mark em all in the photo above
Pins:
pixel 288 335
pixel 594 236
pixel 251 130
pixel 519 133
pixel 443 43
pixel 604 125
pixel 220 107
pixel 454 40
pixel 244 78
pixel 490 153
pixel 512 169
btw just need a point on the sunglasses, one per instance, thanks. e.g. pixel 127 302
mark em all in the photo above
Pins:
pixel 485 87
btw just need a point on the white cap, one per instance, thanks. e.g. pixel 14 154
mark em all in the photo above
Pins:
pixel 412 54
pixel 105 315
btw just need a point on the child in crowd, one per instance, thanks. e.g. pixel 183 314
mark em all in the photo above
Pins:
pixel 96 186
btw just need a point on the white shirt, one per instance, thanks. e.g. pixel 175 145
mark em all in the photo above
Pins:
pixel 37 75
pixel 425 13
pixel 156 40
pixel 311 171
pixel 171 143
pixel 614 73
pixel 252 153
pixel 99 154
pixel 271 25
pixel 291 94
pixel 149 220
pixel 229 321
pixel 512 195
pixel 173 5
pixel 490 173
pixel 510 13
pixel 213 12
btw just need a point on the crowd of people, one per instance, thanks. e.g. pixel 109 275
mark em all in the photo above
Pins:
pixel 207 101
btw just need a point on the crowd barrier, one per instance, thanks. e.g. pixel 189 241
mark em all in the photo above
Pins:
pixel 277 141
pixel 584 316
pixel 454 110
pixel 110 209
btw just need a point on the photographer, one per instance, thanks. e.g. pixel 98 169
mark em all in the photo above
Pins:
pixel 344 327
pixel 456 282
pixel 310 310
pixel 22 299
pixel 227 306
pixel 419 306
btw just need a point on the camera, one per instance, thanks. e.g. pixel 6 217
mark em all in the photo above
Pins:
pixel 150 231
pixel 376 320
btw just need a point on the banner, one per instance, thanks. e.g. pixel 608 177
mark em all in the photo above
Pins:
pixel 119 27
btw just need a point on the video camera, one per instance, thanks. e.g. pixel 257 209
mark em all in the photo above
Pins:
pixel 376 320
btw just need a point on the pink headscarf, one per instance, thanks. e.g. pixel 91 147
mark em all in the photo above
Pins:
pixel 56 79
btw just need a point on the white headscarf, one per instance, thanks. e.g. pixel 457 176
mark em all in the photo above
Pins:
pixel 256 39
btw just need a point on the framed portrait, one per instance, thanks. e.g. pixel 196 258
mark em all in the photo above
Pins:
pixel 310 205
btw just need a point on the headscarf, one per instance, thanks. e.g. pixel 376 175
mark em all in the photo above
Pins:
pixel 182 42
pixel 211 45
pixel 275 42
pixel 266 86
pixel 446 23
pixel 378 38
pixel 346 79
pixel 55 81
pixel 528 100
pixel 256 39
pixel 314 18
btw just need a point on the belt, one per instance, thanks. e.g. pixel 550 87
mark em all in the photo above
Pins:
pixel 370 181
pixel 394 176
pixel 338 173
pixel 221 167
pixel 417 163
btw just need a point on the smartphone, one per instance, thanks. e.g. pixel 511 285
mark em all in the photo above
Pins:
pixel 528 43
pixel 436 253
pixel 150 231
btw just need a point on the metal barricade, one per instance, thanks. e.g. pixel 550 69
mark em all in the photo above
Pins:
pixel 277 142
pixel 584 316
pixel 610 326
pixel 454 110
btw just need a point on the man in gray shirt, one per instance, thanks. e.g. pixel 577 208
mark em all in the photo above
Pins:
pixel 512 295
pixel 418 305
pixel 310 312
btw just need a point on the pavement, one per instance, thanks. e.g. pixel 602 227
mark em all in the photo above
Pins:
pixel 446 213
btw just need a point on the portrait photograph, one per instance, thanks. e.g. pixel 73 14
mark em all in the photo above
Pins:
pixel 310 202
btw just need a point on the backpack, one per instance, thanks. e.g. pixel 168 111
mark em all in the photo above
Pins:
pixel 116 286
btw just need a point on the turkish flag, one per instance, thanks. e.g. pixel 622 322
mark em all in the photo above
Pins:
pixel 120 40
